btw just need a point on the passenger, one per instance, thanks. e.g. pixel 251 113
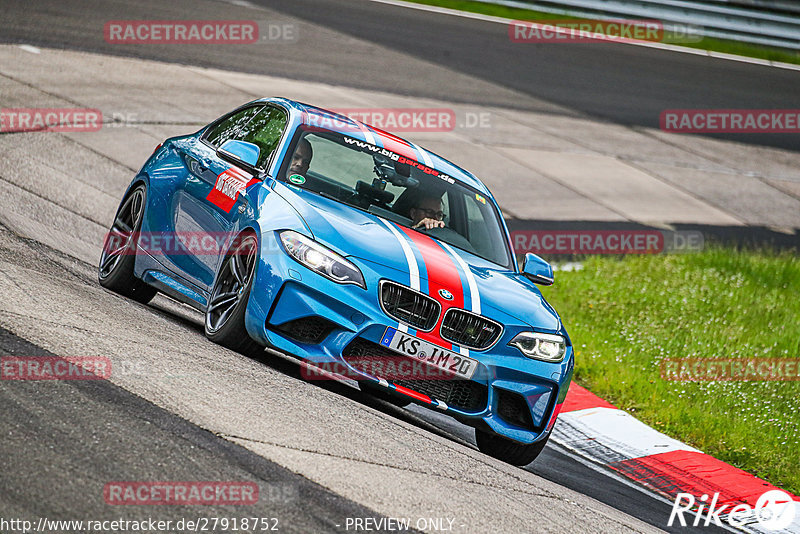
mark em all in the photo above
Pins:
pixel 301 159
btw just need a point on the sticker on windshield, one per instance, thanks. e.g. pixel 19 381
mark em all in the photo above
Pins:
pixel 370 148
pixel 297 179
pixel 480 198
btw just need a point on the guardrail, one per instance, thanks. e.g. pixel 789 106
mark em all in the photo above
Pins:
pixel 752 21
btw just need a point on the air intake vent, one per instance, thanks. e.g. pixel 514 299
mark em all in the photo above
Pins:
pixel 462 394
pixel 469 330
pixel 513 409
pixel 409 306
pixel 308 329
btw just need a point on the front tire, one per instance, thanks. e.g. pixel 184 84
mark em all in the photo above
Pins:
pixel 224 322
pixel 118 257
pixel 506 450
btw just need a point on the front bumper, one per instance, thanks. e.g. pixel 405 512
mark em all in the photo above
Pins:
pixel 297 311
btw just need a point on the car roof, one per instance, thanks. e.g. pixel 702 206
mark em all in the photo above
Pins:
pixel 305 114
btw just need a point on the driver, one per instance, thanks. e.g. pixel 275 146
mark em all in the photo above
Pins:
pixel 301 159
pixel 427 213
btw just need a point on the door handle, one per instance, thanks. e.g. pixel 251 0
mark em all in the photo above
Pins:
pixel 243 203
pixel 196 167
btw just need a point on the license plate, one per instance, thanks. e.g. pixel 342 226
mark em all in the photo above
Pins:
pixel 429 353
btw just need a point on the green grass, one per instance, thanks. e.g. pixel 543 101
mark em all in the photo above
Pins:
pixel 716 45
pixel 625 315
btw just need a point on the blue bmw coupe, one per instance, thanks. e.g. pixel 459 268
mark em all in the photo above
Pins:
pixel 299 229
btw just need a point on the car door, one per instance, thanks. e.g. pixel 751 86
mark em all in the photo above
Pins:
pixel 215 196
pixel 193 216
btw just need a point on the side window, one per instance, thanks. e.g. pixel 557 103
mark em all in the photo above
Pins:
pixel 228 127
pixel 485 236
pixel 265 131
pixel 477 214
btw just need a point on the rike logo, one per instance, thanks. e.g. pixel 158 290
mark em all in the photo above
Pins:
pixel 229 185
pixel 774 510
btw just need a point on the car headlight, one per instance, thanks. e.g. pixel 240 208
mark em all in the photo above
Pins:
pixel 321 259
pixel 546 347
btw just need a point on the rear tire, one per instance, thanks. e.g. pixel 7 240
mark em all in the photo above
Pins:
pixel 224 322
pixel 115 271
pixel 506 450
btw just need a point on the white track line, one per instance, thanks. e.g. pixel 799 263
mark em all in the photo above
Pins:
pixel 31 49
pixel 621 432
pixel 646 44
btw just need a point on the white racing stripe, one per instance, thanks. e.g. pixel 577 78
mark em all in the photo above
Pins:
pixel 475 296
pixel 413 268
pixel 367 133
pixel 426 158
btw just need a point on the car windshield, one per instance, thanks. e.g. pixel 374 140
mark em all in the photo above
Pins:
pixel 396 188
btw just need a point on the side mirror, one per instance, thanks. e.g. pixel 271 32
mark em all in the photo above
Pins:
pixel 537 270
pixel 240 153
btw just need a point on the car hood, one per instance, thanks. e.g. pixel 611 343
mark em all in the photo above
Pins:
pixel 359 234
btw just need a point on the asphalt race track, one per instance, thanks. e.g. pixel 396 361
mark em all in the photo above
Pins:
pixel 447 56
pixel 63 440
pixel 55 431
pixel 181 408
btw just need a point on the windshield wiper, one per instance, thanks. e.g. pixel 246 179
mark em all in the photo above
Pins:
pixel 326 195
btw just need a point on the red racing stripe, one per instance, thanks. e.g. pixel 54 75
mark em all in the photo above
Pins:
pixel 442 274
pixel 395 144
pixel 414 394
